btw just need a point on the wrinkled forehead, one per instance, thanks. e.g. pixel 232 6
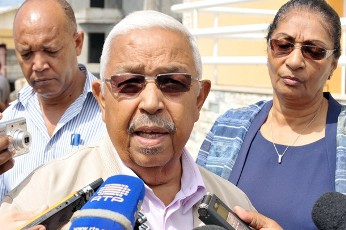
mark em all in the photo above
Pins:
pixel 147 34
pixel 145 50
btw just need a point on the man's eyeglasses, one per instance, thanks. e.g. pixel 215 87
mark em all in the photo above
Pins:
pixel 130 85
pixel 310 51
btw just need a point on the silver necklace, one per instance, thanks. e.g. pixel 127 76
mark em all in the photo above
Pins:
pixel 295 140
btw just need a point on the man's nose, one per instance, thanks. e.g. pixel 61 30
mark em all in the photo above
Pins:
pixel 39 62
pixel 151 98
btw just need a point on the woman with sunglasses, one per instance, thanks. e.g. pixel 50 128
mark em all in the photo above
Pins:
pixel 287 152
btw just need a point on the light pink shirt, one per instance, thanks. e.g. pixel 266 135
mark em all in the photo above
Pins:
pixel 179 213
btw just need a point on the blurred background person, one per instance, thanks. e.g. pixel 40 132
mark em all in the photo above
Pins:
pixel 5 91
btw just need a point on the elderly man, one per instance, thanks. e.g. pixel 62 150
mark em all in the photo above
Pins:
pixel 150 95
pixel 57 103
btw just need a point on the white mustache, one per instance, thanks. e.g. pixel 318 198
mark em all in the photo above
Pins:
pixel 151 120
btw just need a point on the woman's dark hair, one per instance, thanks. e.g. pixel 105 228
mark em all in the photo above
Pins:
pixel 321 7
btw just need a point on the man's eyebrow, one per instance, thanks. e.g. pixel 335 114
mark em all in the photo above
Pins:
pixel 139 68
pixel 24 47
pixel 173 69
pixel 129 68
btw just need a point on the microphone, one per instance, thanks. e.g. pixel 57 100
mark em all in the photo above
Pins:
pixel 60 213
pixel 210 227
pixel 213 211
pixel 113 206
pixel 329 211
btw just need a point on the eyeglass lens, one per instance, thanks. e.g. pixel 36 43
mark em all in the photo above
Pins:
pixel 284 47
pixel 132 84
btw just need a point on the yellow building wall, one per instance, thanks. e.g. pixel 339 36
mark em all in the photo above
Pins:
pixel 6 38
pixel 246 75
pixel 334 84
pixel 237 75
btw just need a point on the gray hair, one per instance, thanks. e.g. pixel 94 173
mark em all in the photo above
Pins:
pixel 148 19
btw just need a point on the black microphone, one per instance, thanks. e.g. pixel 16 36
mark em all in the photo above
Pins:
pixel 329 211
pixel 213 211
pixel 210 227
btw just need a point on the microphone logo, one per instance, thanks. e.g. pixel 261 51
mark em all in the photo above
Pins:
pixel 112 193
pixel 113 206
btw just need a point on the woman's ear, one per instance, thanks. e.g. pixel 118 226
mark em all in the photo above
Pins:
pixel 334 66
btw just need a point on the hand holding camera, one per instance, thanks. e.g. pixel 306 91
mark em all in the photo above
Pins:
pixel 14 141
pixel 6 160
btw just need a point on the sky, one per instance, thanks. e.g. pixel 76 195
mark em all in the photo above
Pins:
pixel 10 2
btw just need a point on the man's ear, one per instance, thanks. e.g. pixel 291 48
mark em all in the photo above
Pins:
pixel 203 94
pixel 97 91
pixel 79 38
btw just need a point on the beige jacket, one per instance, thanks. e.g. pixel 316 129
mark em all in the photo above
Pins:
pixel 57 179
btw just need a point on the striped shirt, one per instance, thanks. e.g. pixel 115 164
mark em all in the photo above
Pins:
pixel 83 117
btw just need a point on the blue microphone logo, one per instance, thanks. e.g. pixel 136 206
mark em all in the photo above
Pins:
pixel 112 193
pixel 114 206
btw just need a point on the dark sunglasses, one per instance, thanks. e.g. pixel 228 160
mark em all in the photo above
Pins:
pixel 129 84
pixel 284 47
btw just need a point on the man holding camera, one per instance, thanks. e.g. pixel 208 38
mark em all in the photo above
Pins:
pixel 60 111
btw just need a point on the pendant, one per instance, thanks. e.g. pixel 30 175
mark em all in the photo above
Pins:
pixel 280 159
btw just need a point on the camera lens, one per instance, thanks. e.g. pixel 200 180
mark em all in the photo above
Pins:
pixel 17 129
pixel 21 139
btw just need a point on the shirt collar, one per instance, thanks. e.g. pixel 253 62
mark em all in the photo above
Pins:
pixel 192 185
pixel 191 191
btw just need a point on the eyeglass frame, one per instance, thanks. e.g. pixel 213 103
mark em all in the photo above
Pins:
pixel 154 79
pixel 328 52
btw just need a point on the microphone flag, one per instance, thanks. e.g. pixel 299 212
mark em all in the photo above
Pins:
pixel 114 205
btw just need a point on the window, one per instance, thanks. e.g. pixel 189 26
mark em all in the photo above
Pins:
pixel 96 41
pixel 97 3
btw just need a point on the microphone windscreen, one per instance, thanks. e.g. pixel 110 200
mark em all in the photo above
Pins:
pixel 329 211
pixel 209 227
pixel 113 206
